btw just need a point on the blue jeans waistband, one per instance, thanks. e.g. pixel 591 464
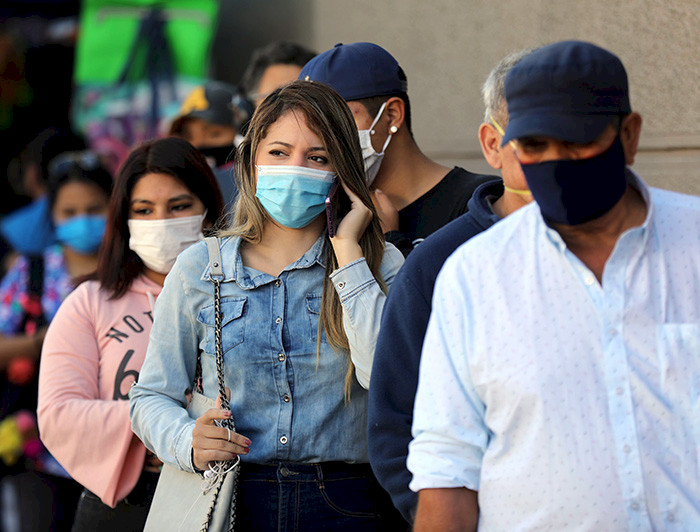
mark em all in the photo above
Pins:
pixel 293 471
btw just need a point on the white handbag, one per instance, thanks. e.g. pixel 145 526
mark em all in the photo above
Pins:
pixel 186 501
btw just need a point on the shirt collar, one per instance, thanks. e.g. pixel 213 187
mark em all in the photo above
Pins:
pixel 235 271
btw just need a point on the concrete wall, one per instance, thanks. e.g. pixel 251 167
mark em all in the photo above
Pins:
pixel 447 48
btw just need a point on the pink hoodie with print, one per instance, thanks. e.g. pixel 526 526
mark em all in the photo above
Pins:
pixel 93 351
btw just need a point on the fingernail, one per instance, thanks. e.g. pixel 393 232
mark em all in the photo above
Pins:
pixel 246 451
pixel 227 413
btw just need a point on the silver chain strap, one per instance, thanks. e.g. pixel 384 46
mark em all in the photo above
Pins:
pixel 225 405
pixel 222 389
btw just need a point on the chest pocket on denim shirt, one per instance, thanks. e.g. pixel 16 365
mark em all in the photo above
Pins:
pixel 313 312
pixel 232 323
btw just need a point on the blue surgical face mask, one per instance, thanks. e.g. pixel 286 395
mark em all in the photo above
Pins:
pixel 29 230
pixel 82 233
pixel 293 195
pixel 574 191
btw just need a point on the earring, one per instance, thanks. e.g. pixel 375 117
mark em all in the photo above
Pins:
pixel 393 129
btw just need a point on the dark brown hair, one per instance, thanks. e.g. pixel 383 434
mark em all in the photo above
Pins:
pixel 81 167
pixel 117 265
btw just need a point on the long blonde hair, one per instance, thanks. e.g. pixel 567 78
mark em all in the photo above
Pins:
pixel 329 117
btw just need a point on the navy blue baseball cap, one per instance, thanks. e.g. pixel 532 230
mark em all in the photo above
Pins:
pixel 358 70
pixel 568 90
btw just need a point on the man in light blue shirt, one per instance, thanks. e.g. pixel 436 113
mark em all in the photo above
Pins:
pixel 560 377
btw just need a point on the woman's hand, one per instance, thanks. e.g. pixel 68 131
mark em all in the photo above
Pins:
pixel 351 228
pixel 210 443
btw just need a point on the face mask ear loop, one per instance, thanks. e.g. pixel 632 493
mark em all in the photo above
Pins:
pixel 520 191
pixel 371 128
pixel 386 143
pixel 496 125
pixel 376 119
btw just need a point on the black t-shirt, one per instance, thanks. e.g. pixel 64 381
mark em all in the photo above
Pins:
pixel 441 204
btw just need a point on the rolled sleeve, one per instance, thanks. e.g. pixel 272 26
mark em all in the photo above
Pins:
pixel 363 300
pixel 450 436
pixel 352 279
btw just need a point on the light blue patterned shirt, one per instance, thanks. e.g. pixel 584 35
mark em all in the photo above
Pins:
pixel 566 404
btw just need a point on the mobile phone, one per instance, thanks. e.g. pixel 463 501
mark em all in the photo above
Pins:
pixel 332 207
pixel 338 204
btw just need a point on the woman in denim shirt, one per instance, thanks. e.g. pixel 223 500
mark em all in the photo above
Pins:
pixel 301 314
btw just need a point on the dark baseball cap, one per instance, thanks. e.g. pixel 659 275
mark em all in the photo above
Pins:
pixel 212 102
pixel 568 90
pixel 356 71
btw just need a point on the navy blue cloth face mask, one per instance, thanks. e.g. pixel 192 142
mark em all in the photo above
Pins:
pixel 576 191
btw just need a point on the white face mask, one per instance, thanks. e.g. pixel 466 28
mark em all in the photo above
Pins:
pixel 159 242
pixel 373 160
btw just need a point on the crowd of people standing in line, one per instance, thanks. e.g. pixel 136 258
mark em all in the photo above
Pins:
pixel 405 344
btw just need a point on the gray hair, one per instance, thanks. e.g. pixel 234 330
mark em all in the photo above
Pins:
pixel 493 90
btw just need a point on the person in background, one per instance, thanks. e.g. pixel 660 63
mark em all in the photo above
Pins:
pixel 36 490
pixel 300 317
pixel 408 306
pixel 164 197
pixel 414 195
pixel 271 67
pixel 29 229
pixel 212 118
pixel 558 383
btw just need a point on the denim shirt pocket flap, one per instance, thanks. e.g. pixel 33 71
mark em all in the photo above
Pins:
pixel 313 307
pixel 232 323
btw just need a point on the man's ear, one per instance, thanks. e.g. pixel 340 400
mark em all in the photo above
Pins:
pixel 396 112
pixel 490 142
pixel 630 131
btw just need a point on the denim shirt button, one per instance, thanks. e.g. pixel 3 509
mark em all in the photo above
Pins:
pixel 278 283
pixel 341 285
pixel 278 320
pixel 283 440
pixel 285 398
pixel 281 357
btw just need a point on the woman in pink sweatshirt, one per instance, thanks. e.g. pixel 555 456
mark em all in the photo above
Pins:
pixel 163 198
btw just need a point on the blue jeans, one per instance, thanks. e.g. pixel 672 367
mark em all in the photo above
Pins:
pixel 312 497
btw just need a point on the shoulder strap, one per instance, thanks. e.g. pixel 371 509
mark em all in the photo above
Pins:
pixel 217 274
pixel 214 250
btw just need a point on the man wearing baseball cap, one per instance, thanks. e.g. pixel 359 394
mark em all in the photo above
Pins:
pixel 211 117
pixel 414 195
pixel 559 377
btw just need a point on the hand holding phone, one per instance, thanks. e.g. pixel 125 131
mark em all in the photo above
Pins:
pixel 348 218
